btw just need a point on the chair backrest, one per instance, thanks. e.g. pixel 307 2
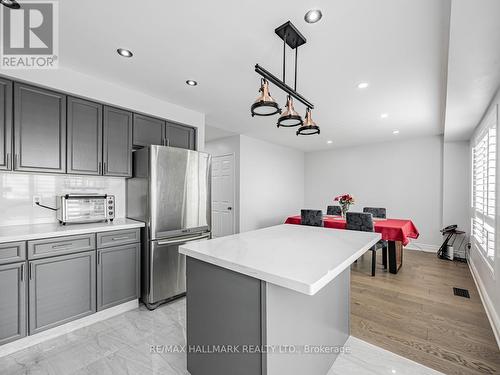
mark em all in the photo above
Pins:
pixel 333 210
pixel 379 212
pixel 361 221
pixel 311 217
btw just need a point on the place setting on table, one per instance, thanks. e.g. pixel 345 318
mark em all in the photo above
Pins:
pixel 396 233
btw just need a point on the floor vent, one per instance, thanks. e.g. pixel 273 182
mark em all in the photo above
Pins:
pixel 461 292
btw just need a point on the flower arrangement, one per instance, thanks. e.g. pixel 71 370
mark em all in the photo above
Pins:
pixel 345 200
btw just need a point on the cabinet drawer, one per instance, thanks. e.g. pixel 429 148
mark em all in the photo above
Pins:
pixel 11 252
pixel 60 245
pixel 118 237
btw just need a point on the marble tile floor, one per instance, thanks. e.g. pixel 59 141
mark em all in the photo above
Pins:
pixel 121 345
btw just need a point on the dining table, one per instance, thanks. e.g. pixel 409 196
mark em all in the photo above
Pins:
pixel 397 233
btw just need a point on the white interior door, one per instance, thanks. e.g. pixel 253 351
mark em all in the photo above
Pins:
pixel 222 195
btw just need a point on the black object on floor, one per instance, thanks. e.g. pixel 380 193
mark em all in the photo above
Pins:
pixel 461 292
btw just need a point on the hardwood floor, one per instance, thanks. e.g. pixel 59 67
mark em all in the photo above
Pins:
pixel 415 314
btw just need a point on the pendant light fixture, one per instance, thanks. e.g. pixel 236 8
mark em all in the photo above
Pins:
pixel 290 117
pixel 265 105
pixel 309 127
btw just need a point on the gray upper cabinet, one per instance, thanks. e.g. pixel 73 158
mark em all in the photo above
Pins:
pixel 5 124
pixel 180 136
pixel 148 131
pixel 84 151
pixel 13 302
pixel 39 130
pixel 117 275
pixel 117 142
pixel 61 289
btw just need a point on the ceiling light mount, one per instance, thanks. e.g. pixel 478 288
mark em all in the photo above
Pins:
pixel 266 106
pixel 191 82
pixel 12 4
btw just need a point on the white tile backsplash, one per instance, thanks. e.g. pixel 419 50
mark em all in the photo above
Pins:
pixel 17 191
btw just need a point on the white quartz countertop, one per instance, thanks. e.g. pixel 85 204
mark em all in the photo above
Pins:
pixel 297 257
pixel 13 233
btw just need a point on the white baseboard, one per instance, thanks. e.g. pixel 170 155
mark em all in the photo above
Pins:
pixel 28 341
pixel 485 299
pixel 422 247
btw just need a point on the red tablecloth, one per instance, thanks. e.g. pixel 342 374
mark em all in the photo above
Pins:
pixel 390 229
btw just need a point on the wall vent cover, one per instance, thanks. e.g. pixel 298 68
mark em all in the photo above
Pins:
pixel 461 292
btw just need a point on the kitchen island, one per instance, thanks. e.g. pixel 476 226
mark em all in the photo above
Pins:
pixel 271 301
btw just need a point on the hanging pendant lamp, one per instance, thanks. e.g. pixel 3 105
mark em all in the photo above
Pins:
pixel 290 117
pixel 265 105
pixel 309 127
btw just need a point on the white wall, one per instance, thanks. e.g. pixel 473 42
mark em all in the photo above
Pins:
pixel 83 85
pixel 271 183
pixel 488 280
pixel 17 190
pixel 224 146
pixel 456 187
pixel 403 176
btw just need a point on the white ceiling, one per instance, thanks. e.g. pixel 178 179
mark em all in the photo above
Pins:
pixel 474 64
pixel 399 46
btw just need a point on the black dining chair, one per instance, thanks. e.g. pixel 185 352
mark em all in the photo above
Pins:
pixel 380 213
pixel 334 210
pixel 363 221
pixel 311 217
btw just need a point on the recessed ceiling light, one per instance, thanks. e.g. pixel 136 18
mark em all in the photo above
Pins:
pixel 384 115
pixel 12 4
pixel 313 16
pixel 124 52
pixel 363 85
pixel 329 142
pixel 191 82
pixel 395 132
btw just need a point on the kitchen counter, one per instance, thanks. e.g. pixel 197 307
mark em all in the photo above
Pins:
pixel 13 233
pixel 270 294
pixel 301 258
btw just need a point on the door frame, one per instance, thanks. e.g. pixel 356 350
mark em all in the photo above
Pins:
pixel 232 154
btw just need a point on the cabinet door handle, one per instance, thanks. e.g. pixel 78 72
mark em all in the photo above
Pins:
pixel 22 272
pixel 167 142
pixel 99 168
pixel 105 168
pixel 120 238
pixel 7 162
pixel 62 245
pixel 98 257
pixel 31 270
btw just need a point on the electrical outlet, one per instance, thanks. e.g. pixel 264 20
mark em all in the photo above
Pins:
pixel 36 199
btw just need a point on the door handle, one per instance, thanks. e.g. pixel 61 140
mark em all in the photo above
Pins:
pixel 61 245
pixel 167 142
pixel 183 240
pixel 22 272
pixel 99 168
pixel 105 169
pixel 120 238
pixel 7 162
pixel 30 270
pixel 229 208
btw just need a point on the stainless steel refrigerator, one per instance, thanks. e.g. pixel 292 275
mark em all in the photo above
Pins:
pixel 170 192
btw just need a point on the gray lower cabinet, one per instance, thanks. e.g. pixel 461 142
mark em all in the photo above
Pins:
pixel 61 289
pixel 180 136
pixel 12 302
pixel 5 124
pixel 117 142
pixel 148 131
pixel 117 275
pixel 84 151
pixel 39 130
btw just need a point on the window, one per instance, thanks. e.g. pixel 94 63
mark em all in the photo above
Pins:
pixel 484 162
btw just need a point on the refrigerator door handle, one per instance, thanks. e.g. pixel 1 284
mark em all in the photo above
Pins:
pixel 183 240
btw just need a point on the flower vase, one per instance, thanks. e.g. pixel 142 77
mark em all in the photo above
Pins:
pixel 343 210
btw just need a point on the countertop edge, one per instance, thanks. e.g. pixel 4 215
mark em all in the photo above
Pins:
pixel 69 231
pixel 308 289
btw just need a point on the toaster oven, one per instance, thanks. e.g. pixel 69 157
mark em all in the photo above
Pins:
pixel 85 208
